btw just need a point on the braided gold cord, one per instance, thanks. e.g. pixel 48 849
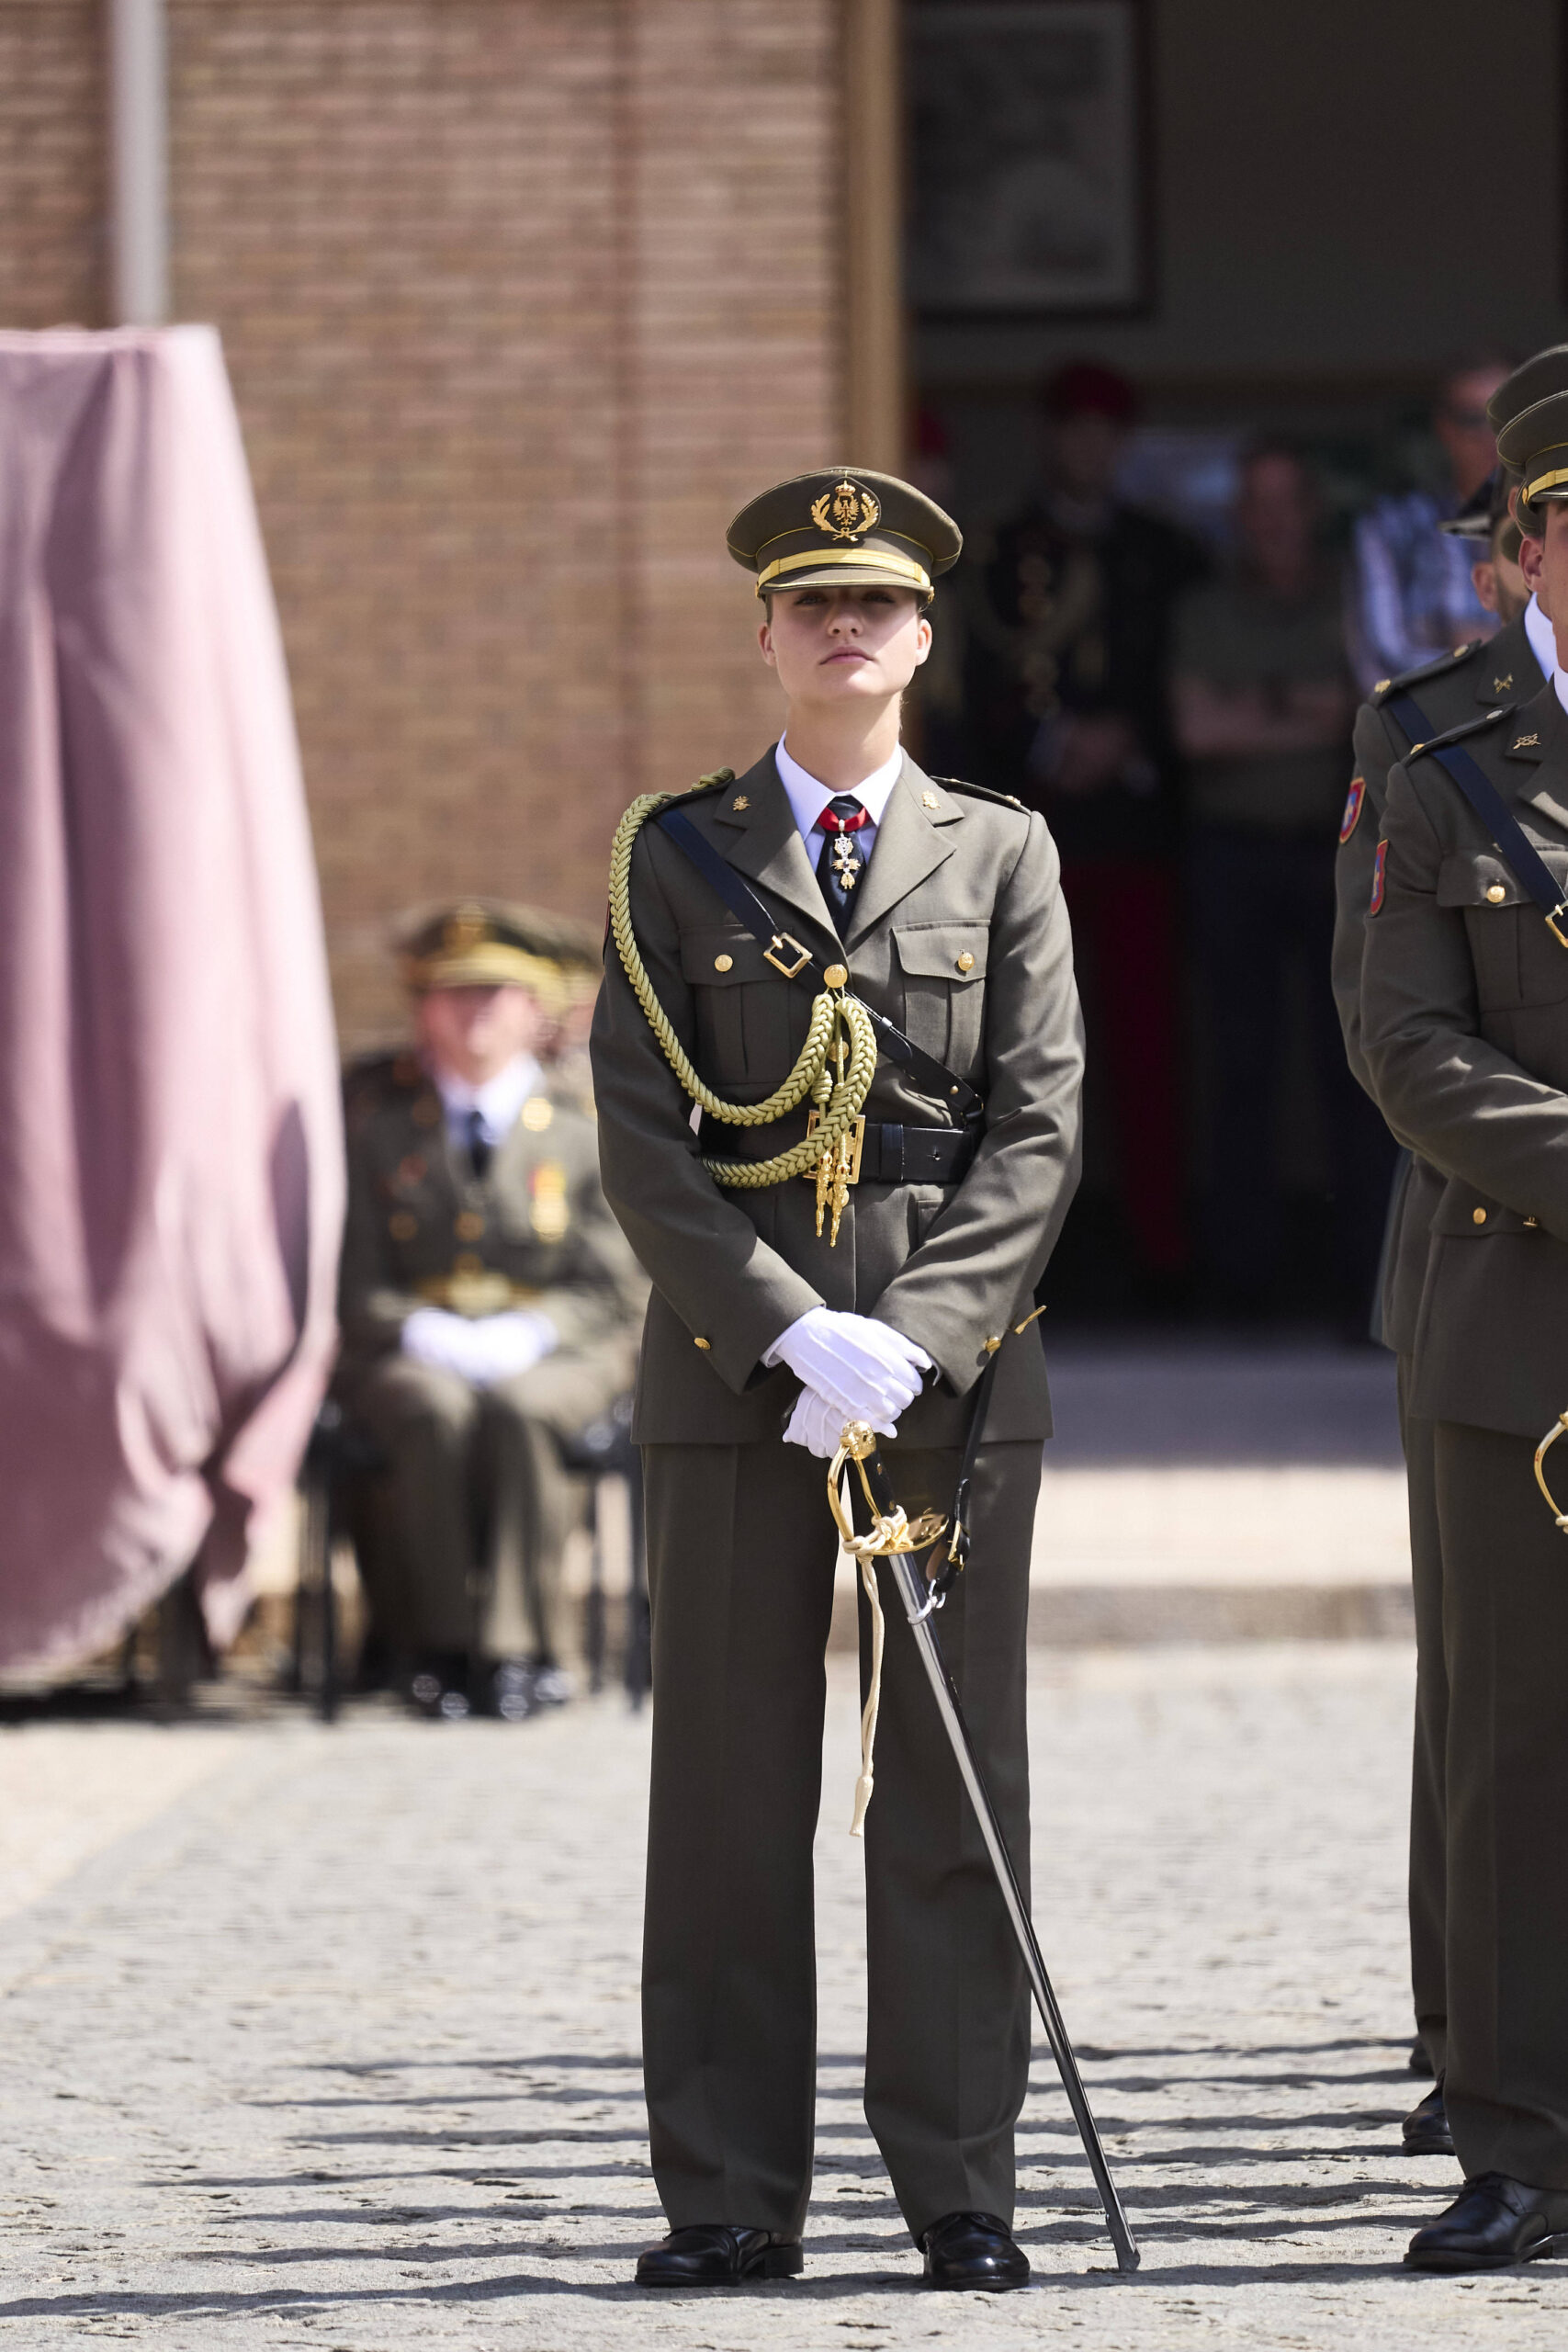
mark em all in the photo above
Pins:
pixel 835 1019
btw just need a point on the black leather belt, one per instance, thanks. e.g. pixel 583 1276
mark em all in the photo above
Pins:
pixel 890 1153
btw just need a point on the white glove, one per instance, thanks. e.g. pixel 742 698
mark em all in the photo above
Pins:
pixel 483 1350
pixel 818 1425
pixel 865 1368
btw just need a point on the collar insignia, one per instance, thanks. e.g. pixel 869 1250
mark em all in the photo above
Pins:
pixel 740 801
pixel 1523 742
pixel 846 511
pixel 1501 686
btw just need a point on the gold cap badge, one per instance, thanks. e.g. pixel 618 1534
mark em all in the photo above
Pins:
pixel 846 510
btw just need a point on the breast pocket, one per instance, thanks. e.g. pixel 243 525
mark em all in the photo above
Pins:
pixel 746 1014
pixel 942 966
pixel 1518 961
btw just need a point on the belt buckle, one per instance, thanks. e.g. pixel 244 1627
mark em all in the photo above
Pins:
pixel 857 1147
pixel 802 955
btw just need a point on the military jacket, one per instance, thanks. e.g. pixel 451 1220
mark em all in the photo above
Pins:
pixel 1464 1010
pixel 958 933
pixel 1455 687
pixel 423 1229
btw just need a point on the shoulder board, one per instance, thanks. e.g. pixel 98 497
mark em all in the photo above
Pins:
pixel 980 792
pixel 710 783
pixel 398 1068
pixel 1437 668
pixel 1458 734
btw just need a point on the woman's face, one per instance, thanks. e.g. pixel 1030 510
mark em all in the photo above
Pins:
pixel 845 645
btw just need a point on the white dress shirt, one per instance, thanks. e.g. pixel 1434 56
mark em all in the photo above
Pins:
pixel 498 1101
pixel 1544 639
pixel 808 798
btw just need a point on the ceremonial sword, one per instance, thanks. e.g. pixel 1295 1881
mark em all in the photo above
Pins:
pixel 894 1538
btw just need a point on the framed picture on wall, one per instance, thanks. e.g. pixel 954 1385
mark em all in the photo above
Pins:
pixel 1030 123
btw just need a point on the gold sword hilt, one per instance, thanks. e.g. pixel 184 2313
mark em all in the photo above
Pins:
pixel 891 1531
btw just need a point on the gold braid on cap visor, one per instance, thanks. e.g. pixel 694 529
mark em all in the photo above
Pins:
pixel 1543 482
pixel 896 566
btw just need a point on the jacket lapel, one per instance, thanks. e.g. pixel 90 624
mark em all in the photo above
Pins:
pixel 1536 751
pixel 1507 668
pixel 753 826
pixel 909 846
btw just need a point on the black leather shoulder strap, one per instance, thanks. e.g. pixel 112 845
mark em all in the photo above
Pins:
pixel 795 962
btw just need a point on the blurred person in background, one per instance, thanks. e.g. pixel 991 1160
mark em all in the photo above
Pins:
pixel 1263 700
pixel 489 1309
pixel 1066 708
pixel 1412 594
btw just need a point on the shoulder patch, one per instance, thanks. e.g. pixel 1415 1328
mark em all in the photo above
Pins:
pixel 1378 868
pixel 1456 734
pixel 1354 804
pixel 980 792
pixel 1437 668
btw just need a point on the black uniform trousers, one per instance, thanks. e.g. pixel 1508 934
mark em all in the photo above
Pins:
pixel 1428 1803
pixel 1505 1640
pixel 741 1555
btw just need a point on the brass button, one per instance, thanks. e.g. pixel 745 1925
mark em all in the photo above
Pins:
pixel 1533 1223
pixel 724 963
pixel 425 1112
pixel 1496 893
pixel 537 1115
pixel 468 1226
pixel 835 977
pixel 703 1344
pixel 402 1227
pixel 966 962
pixel 467 1262
pixel 1478 1216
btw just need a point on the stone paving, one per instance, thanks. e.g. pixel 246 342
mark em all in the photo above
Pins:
pixel 329 2038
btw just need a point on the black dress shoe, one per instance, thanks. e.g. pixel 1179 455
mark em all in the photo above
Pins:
pixel 710 2254
pixel 1426 2128
pixel 1493 2223
pixel 973 2250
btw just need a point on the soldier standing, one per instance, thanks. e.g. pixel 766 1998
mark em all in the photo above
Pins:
pixel 1425 702
pixel 938 907
pixel 488 1306
pixel 1464 1032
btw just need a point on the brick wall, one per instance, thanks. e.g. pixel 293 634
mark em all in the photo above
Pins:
pixel 51 164
pixel 519 298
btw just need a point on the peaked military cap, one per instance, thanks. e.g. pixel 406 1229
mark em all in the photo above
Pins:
pixel 487 942
pixel 844 528
pixel 1529 415
pixel 1485 508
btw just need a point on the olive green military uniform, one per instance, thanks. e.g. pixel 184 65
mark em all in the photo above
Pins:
pixel 1464 1009
pixel 958 933
pixel 462 1549
pixel 1454 688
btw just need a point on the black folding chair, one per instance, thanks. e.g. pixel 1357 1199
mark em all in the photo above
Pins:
pixel 604 1450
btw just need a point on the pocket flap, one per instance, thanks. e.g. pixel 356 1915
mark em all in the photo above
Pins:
pixel 1479 879
pixel 943 951
pixel 722 959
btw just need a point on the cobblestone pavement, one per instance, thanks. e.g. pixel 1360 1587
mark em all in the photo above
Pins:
pixel 331 2041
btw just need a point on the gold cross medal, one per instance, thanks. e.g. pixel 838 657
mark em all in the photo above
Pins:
pixel 846 861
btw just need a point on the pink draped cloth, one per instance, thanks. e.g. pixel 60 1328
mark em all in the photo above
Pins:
pixel 170 1156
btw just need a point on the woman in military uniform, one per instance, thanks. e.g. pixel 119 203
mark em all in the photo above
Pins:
pixel 803 1279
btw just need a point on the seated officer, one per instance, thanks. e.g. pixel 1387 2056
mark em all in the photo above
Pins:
pixel 490 1309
